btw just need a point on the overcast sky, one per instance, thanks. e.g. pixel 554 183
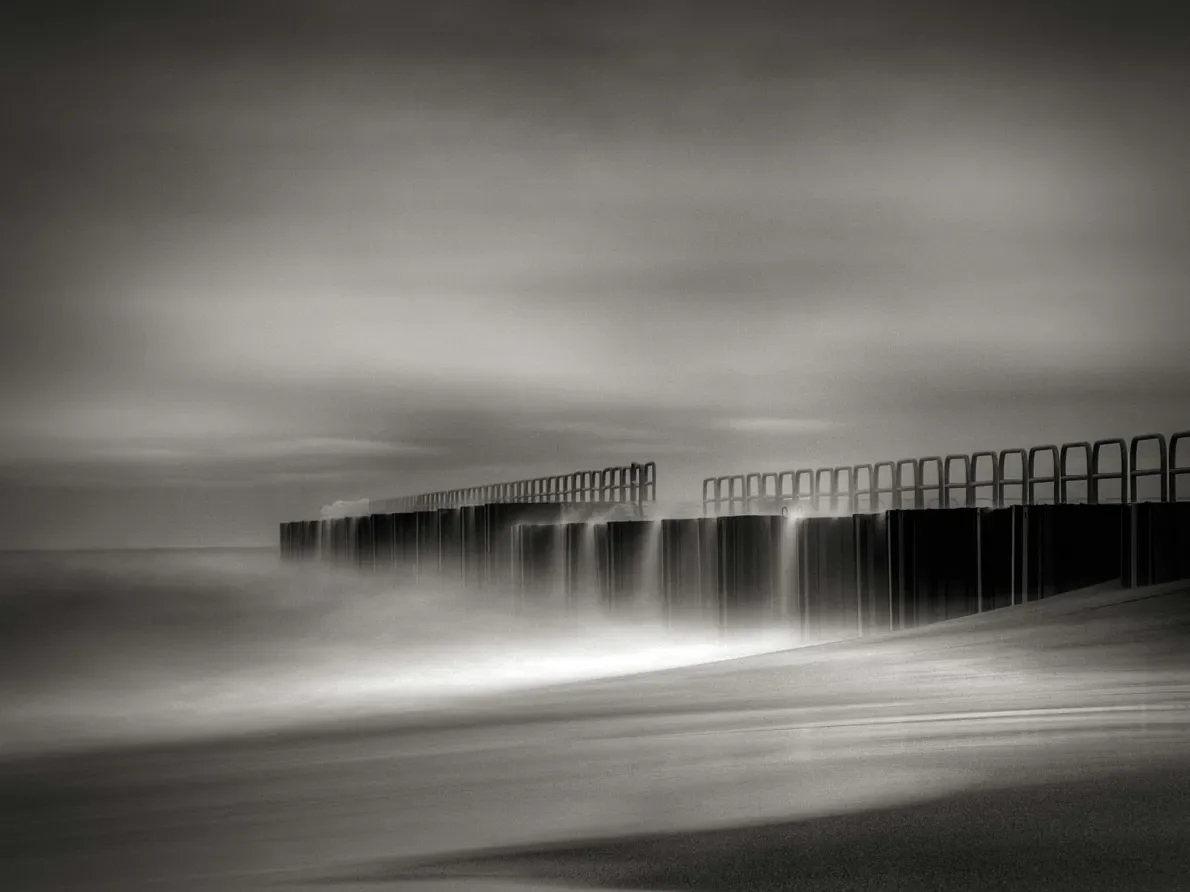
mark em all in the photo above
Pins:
pixel 256 257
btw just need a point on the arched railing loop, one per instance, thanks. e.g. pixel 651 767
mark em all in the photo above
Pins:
pixel 735 493
pixel 1098 475
pixel 1005 481
pixel 891 489
pixel 710 496
pixel 992 481
pixel 1177 470
pixel 751 491
pixel 937 487
pixel 900 487
pixel 843 499
pixel 1034 478
pixel 948 484
pixel 820 491
pixel 770 488
pixel 868 491
pixel 803 487
pixel 1066 476
pixel 1136 474
pixel 783 494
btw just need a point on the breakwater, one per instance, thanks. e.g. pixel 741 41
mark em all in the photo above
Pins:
pixel 829 577
pixel 832 574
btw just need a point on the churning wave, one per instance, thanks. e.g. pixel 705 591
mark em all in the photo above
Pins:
pixel 102 648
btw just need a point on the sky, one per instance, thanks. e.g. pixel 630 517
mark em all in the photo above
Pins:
pixel 256 257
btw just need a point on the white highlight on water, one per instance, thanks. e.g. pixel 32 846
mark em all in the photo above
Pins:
pixel 201 646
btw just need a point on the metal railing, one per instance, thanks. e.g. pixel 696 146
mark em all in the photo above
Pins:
pixel 980 478
pixel 636 483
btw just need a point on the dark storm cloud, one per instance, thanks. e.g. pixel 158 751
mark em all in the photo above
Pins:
pixel 325 250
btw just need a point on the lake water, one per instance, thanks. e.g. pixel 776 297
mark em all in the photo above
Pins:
pixel 101 647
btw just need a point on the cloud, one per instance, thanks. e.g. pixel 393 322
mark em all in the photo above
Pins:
pixel 302 451
pixel 646 450
pixel 593 428
pixel 775 425
pixel 129 417
pixel 326 447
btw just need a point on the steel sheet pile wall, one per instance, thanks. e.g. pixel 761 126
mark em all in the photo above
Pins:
pixel 1074 546
pixel 936 560
pixel 620 562
pixel 471 545
pixel 501 521
pixel 688 568
pixel 362 544
pixel 1159 543
pixel 539 558
pixel 828 585
pixel 750 567
pixel 839 577
pixel 580 582
pixel 872 573
pixel 831 577
pixel 429 545
pixel 342 540
pixel 384 542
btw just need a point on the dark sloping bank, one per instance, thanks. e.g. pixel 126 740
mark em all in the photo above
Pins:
pixel 1125 831
pixel 1119 818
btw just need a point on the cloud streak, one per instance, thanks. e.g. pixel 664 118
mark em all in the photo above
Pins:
pixel 776 425
pixel 316 449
